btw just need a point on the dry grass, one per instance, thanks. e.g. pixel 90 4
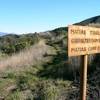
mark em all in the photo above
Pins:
pixel 26 57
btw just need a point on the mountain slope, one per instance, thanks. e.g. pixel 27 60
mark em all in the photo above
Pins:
pixel 55 78
pixel 93 20
pixel 2 33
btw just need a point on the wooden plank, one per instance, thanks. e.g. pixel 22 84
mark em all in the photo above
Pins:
pixel 83 40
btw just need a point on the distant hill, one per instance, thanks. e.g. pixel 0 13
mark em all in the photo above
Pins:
pixel 92 20
pixel 2 33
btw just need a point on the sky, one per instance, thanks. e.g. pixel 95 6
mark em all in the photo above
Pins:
pixel 24 16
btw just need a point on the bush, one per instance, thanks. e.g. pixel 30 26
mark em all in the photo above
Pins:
pixel 15 96
pixel 22 82
pixel 47 91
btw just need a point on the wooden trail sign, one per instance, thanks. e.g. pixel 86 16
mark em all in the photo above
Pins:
pixel 83 40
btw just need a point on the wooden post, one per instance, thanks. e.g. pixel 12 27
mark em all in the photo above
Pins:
pixel 83 78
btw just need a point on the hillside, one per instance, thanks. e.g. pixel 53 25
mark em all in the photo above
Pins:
pixel 93 20
pixel 36 67
pixel 2 33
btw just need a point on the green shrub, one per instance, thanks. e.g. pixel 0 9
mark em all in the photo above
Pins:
pixel 48 91
pixel 15 96
pixel 22 82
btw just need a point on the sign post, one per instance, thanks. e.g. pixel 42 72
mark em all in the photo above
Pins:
pixel 83 40
pixel 83 78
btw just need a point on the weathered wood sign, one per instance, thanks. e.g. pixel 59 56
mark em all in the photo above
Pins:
pixel 83 40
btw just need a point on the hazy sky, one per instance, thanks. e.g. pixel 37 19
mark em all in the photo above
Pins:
pixel 21 16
